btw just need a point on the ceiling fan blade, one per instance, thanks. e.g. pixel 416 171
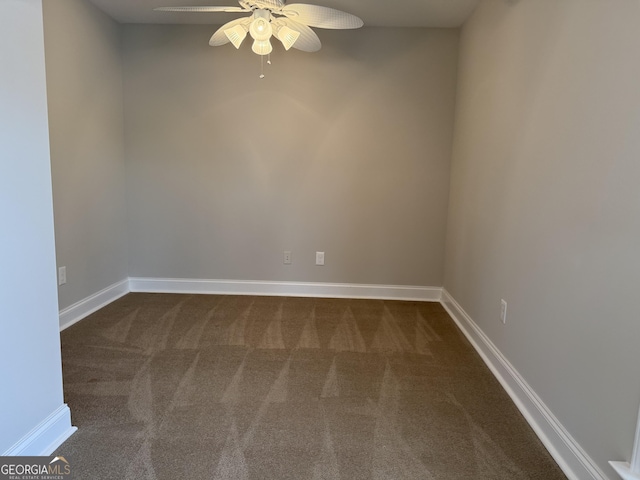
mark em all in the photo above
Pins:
pixel 321 17
pixel 220 37
pixel 201 9
pixel 308 41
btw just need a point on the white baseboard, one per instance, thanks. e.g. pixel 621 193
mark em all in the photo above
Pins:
pixel 572 459
pixel 624 470
pixel 287 289
pixel 46 437
pixel 87 306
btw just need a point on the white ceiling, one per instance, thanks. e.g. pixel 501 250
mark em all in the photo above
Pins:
pixel 375 13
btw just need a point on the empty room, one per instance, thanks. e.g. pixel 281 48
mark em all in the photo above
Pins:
pixel 320 240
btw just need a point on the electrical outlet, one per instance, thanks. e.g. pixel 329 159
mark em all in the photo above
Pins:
pixel 62 275
pixel 503 311
pixel 287 258
pixel 319 258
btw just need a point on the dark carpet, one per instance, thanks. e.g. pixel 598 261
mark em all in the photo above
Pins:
pixel 238 387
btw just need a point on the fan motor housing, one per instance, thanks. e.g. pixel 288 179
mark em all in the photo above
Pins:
pixel 264 4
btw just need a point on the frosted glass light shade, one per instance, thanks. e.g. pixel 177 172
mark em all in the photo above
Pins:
pixel 236 35
pixel 262 47
pixel 260 28
pixel 287 36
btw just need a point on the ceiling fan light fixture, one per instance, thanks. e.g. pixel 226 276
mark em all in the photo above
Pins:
pixel 262 47
pixel 287 36
pixel 289 23
pixel 236 35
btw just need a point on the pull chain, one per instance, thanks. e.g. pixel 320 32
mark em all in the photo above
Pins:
pixel 262 64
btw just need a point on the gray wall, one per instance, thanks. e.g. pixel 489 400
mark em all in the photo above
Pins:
pixel 84 85
pixel 345 151
pixel 30 367
pixel 545 204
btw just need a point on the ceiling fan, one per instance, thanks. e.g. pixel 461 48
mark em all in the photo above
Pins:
pixel 288 23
